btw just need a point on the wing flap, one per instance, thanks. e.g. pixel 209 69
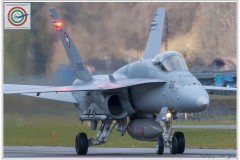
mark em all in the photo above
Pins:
pixel 60 96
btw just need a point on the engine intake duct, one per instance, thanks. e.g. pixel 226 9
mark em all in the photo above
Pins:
pixel 114 107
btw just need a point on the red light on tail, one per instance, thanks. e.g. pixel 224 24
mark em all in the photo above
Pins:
pixel 58 25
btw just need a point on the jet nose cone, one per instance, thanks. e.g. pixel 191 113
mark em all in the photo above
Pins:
pixel 203 102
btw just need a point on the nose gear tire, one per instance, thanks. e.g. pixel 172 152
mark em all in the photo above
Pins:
pixel 160 145
pixel 174 146
pixel 181 141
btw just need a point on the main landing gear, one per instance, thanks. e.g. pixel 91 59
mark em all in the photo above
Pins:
pixel 82 142
pixel 176 141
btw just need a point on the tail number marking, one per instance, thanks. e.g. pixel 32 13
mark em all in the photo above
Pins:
pixel 67 40
pixel 79 67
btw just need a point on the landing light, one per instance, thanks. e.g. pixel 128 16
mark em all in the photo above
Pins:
pixel 168 115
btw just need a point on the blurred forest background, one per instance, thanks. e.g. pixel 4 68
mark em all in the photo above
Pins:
pixel 200 31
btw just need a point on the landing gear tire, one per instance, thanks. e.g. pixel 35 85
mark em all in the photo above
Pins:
pixel 81 143
pixel 160 145
pixel 174 146
pixel 181 141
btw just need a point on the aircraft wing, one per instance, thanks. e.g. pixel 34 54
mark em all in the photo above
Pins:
pixel 59 96
pixel 21 89
pixel 64 93
pixel 220 88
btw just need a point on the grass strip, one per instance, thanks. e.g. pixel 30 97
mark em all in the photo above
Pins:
pixel 37 131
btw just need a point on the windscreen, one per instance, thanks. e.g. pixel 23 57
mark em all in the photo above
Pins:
pixel 173 63
pixel 170 62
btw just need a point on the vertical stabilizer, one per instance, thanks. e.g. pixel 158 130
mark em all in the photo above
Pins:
pixel 155 37
pixel 75 59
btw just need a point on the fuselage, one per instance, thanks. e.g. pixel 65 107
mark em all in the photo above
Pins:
pixel 180 90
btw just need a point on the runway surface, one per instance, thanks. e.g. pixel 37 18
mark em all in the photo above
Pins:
pixel 67 152
pixel 207 126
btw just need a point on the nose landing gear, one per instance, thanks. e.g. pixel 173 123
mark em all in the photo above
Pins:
pixel 160 145
pixel 176 141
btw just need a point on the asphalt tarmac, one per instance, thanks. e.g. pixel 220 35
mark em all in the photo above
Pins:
pixel 207 126
pixel 69 152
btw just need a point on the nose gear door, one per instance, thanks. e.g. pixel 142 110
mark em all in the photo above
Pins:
pixel 172 93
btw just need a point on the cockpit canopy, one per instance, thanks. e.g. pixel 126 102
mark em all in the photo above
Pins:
pixel 170 61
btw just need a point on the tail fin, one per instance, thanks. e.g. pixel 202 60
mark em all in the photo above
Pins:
pixel 155 37
pixel 76 61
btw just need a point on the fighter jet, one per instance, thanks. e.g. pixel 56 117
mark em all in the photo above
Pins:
pixel 141 98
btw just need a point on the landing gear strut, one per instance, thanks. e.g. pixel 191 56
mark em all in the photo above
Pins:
pixel 176 141
pixel 82 142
